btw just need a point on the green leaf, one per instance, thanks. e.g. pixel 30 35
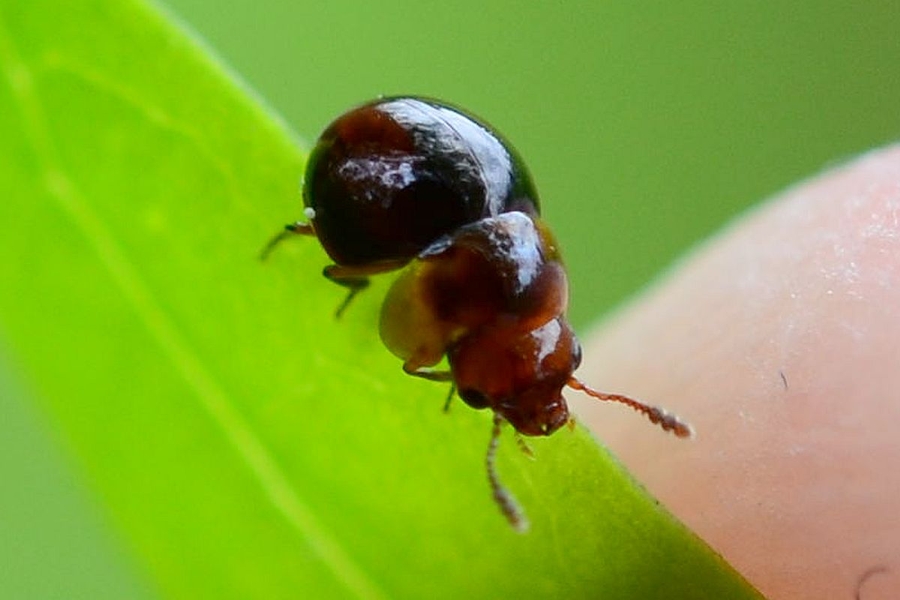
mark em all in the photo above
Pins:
pixel 246 443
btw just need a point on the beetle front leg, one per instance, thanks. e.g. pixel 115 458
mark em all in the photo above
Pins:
pixel 411 368
pixel 416 370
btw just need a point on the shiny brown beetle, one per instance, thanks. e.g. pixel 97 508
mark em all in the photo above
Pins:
pixel 417 184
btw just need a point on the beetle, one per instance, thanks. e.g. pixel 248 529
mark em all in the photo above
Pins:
pixel 417 184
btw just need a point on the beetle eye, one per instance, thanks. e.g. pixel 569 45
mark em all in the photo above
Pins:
pixel 576 355
pixel 474 398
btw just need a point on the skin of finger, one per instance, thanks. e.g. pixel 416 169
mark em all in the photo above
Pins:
pixel 779 340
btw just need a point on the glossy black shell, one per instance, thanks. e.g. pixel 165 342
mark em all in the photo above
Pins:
pixel 388 178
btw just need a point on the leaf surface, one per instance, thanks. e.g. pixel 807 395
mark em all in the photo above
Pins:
pixel 246 443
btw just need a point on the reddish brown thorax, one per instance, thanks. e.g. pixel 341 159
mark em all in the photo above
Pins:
pixel 491 296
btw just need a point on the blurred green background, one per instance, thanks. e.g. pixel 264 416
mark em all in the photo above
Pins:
pixel 646 127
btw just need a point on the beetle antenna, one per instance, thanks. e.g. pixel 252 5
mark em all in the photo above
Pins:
pixel 508 505
pixel 659 416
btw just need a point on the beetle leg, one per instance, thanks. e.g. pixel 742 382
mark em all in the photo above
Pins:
pixel 289 230
pixel 356 278
pixel 523 446
pixel 354 285
pixel 450 396
pixel 411 368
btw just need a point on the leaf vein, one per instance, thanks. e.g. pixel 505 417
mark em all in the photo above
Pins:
pixel 271 478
